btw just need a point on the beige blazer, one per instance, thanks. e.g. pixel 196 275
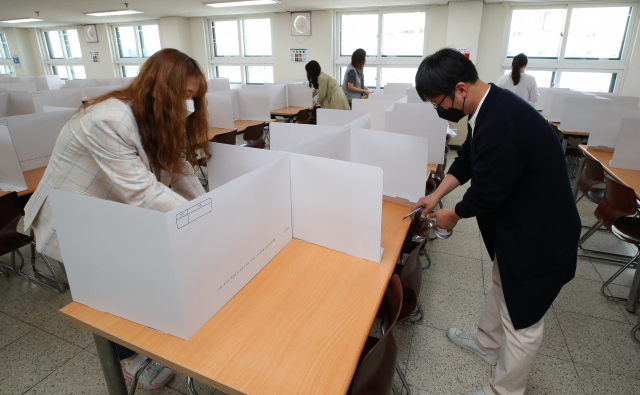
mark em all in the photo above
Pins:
pixel 99 153
pixel 330 94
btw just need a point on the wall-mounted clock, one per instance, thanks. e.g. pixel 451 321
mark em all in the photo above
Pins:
pixel 90 33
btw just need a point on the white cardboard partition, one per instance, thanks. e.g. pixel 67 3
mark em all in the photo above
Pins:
pixel 220 109
pixel 625 156
pixel 18 87
pixel 558 102
pixel 22 103
pixel 48 82
pixel 603 132
pixel 53 108
pixel 218 84
pixel 97 91
pixel 35 135
pixel 6 107
pixel 82 85
pixel 330 117
pixel 400 98
pixel 548 99
pixel 277 96
pixel 396 88
pixel 541 97
pixel 619 101
pixel 70 98
pixel 9 80
pixel 11 176
pixel 422 120
pixel 299 95
pixel 161 252
pixel 412 96
pixel 327 202
pixel 285 135
pixel 579 111
pixel 253 103
pixel 235 103
pixel 377 109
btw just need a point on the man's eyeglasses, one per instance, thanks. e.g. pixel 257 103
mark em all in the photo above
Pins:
pixel 439 105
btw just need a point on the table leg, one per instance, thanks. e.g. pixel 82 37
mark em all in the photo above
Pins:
pixel 578 175
pixel 564 144
pixel 110 365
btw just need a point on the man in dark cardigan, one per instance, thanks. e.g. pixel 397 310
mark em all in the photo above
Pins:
pixel 521 197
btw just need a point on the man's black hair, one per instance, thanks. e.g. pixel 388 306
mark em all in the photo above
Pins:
pixel 441 71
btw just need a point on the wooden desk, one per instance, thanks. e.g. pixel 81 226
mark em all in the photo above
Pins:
pixel 213 132
pixel 297 328
pixel 431 169
pixel 32 177
pixel 289 111
pixel 630 178
pixel 241 125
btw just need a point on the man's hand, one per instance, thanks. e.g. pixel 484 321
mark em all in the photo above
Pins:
pixel 445 219
pixel 427 203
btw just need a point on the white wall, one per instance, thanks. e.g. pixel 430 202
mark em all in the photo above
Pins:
pixel 175 32
pixel 319 44
pixel 437 34
pixel 106 68
pixel 21 45
pixel 491 43
pixel 463 25
pixel 199 43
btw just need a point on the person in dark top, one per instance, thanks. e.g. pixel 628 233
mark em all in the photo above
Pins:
pixel 353 82
pixel 521 197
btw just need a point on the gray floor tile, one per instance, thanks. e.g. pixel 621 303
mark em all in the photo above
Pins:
pixel 553 376
pixel 455 271
pixel 13 287
pixel 12 329
pixel 607 242
pixel 598 382
pixel 38 306
pixel 179 383
pixel 64 329
pixel 464 245
pixel 607 270
pixel 447 306
pixel 583 296
pixel 28 360
pixel 553 343
pixel 600 343
pixel 441 367
pixel 487 275
pixel 585 269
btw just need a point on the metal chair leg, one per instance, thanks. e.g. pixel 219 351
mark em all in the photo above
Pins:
pixel 190 387
pixel 134 382
pixel 203 180
pixel 403 380
pixel 634 292
pixel 603 289
pixel 633 332
pixel 599 255
pixel 418 311
pixel 59 285
pixel 426 254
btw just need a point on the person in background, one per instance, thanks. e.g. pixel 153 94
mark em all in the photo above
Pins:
pixel 326 88
pixel 530 233
pixel 353 82
pixel 523 85
pixel 131 146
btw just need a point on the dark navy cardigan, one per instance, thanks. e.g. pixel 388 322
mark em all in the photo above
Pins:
pixel 521 197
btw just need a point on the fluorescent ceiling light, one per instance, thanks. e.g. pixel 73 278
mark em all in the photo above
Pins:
pixel 240 3
pixel 111 13
pixel 22 20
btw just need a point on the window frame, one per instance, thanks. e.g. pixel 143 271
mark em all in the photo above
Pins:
pixel 241 60
pixel 379 61
pixel 8 61
pixel 64 61
pixel 139 60
pixel 562 64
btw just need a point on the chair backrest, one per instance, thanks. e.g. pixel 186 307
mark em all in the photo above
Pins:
pixel 254 136
pixel 374 374
pixel 430 186
pixel 10 215
pixel 557 130
pixel 303 116
pixel 618 201
pixel 226 138
pixel 411 280
pixel 593 174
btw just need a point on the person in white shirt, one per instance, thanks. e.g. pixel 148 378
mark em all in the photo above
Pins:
pixel 523 85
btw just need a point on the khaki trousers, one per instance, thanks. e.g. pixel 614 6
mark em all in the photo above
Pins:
pixel 517 349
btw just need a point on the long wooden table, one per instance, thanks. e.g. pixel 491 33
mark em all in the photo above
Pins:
pixel 630 178
pixel 288 112
pixel 32 177
pixel 242 125
pixel 213 132
pixel 297 328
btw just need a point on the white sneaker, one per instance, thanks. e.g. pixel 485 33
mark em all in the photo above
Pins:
pixel 464 340
pixel 478 392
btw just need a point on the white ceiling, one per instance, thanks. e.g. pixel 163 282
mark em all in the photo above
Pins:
pixel 71 12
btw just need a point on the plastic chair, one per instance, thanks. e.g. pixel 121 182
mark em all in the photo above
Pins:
pixel 618 201
pixel 303 116
pixel 312 116
pixel 375 371
pixel 225 138
pixel 254 136
pixel 627 229
pixel 593 175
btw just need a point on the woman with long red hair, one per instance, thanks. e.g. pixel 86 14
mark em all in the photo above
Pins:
pixel 131 146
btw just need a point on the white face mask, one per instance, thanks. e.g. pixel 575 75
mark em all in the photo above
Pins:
pixel 191 108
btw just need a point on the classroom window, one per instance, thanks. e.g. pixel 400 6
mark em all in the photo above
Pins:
pixel 394 40
pixel 6 62
pixel 69 72
pixel 536 33
pixel 403 34
pixel 597 33
pixel 62 52
pixel 6 69
pixel 588 81
pixel 241 50
pixel 134 43
pixel 230 72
